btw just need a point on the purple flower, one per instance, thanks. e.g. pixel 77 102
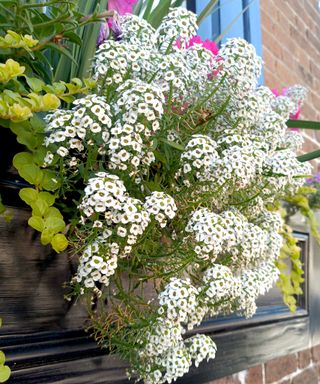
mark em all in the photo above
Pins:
pixel 121 7
pixel 103 33
pixel 314 179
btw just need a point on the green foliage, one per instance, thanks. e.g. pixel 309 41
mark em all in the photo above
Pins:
pixel 306 124
pixel 155 14
pixel 14 40
pixel 300 202
pixel 59 27
pixel 20 98
pixel 5 371
pixel 45 219
pixel 290 281
pixel 290 267
pixel 207 10
pixel 309 156
pixel 81 44
pixel 303 124
pixel 29 35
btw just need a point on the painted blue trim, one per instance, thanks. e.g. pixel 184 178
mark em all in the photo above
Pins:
pixel 246 21
pixel 205 28
pixel 229 11
pixel 248 26
pixel 216 21
pixel 255 28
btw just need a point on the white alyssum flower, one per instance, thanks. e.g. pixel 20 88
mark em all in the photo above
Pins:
pixel 70 133
pixel 161 206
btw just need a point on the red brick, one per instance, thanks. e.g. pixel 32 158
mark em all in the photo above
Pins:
pixel 226 380
pixel 254 375
pixel 291 46
pixel 304 358
pixel 316 353
pixel 309 376
pixel 278 368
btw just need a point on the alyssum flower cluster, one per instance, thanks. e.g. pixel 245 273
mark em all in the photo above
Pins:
pixel 175 165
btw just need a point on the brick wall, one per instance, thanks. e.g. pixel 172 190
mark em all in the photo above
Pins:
pixel 291 51
pixel 298 368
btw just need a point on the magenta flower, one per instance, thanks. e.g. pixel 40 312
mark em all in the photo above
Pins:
pixel 121 6
pixel 207 44
pixel 296 114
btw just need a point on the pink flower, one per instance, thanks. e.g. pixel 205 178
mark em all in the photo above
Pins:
pixel 296 114
pixel 277 93
pixel 121 6
pixel 207 44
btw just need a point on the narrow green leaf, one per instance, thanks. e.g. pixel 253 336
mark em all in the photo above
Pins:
pixel 62 50
pixel 148 9
pixel 305 124
pixel 309 156
pixel 207 10
pixel 155 18
pixel 73 37
pixel 138 7
pixel 177 3
pixel 173 144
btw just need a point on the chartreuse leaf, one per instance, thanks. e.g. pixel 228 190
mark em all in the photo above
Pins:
pixel 31 173
pixel 22 158
pixel 39 207
pixel 50 181
pixel 37 223
pixel 54 212
pixel 47 197
pixel 5 373
pixel 59 242
pixel 35 84
pixel 54 223
pixel 46 236
pixel 2 358
pixel 28 195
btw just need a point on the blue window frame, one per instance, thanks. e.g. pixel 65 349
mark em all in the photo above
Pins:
pixel 233 18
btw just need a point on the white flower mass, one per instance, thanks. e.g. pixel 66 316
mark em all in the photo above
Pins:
pixel 180 155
